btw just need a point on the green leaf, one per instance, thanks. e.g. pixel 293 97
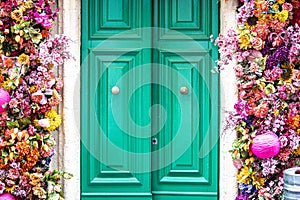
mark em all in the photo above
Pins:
pixel 67 175
pixel 4 153
pixel 12 124
pixel 53 196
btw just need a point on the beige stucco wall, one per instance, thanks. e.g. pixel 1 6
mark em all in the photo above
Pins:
pixel 69 137
pixel 228 185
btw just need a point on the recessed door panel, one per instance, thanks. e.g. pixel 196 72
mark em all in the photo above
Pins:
pixel 186 131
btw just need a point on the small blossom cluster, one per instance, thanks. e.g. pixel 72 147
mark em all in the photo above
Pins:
pixel 266 47
pixel 28 56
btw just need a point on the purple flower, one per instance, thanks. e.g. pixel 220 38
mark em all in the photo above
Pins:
pixel 266 50
pixel 241 108
pixel 242 197
pixel 272 62
pixel 247 189
pixel 281 53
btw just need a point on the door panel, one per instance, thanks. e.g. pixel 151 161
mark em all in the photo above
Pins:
pixel 110 17
pixel 186 130
pixel 189 173
pixel 109 165
pixel 191 17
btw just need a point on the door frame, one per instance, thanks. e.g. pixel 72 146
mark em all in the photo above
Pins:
pixel 69 23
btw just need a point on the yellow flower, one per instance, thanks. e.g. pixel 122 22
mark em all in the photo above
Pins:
pixel 247 176
pixel 244 175
pixel 276 112
pixel 281 1
pixel 40 192
pixel 261 84
pixel 17 15
pixel 275 6
pixel 35 179
pixel 36 36
pixel 269 89
pixel 258 181
pixel 249 160
pixel 245 42
pixel 9 189
pixel 29 5
pixel 54 119
pixel 282 16
pixel 297 151
pixel 33 89
pixel 23 59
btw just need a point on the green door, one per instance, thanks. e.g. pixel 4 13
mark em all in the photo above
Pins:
pixel 149 103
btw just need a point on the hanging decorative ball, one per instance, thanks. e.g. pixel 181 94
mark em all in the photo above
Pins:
pixel 265 145
pixel 6 196
pixel 4 98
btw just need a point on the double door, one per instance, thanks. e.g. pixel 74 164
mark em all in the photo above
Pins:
pixel 149 102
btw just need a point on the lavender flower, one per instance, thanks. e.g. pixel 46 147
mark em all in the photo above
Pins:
pixel 269 166
pixel 242 197
pixel 19 192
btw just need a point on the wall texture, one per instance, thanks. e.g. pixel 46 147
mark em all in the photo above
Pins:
pixel 228 185
pixel 69 137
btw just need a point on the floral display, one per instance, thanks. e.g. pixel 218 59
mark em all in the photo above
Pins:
pixel 265 47
pixel 29 93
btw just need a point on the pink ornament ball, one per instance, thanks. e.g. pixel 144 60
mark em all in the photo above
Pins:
pixel 6 196
pixel 265 145
pixel 4 98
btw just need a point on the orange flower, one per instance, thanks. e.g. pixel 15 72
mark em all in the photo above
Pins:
pixel 294 121
pixel 8 63
pixel 1 78
pixel 263 6
pixel 31 160
pixel 45 33
pixel 23 149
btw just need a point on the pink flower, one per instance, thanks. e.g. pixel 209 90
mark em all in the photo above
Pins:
pixel 44 123
pixel 7 196
pixel 261 110
pixel 13 174
pixel 238 163
pixel 39 97
pixel 13 103
pixel 287 6
pixel 258 44
pixel 238 70
pixel 59 84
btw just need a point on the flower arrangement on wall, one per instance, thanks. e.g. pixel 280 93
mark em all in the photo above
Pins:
pixel 266 48
pixel 29 92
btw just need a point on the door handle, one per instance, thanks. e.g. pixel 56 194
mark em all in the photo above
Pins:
pixel 115 90
pixel 184 90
